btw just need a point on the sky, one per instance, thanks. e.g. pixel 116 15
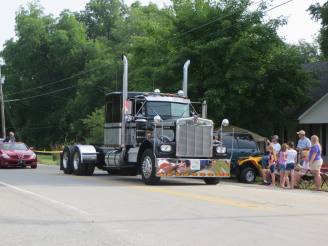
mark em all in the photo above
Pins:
pixel 300 25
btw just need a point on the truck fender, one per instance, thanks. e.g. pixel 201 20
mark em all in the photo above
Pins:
pixel 251 161
pixel 145 145
pixel 88 153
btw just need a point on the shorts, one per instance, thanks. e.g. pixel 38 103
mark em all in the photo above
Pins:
pixel 316 165
pixel 282 167
pixel 265 161
pixel 272 167
pixel 290 166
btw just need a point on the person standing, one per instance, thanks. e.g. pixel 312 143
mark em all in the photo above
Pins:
pixel 276 145
pixel 10 138
pixel 315 160
pixel 282 160
pixel 272 164
pixel 290 166
pixel 303 147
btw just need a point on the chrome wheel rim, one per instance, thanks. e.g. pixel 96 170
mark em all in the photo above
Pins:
pixel 250 176
pixel 65 160
pixel 147 167
pixel 76 161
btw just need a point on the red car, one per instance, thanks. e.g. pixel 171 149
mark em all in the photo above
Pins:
pixel 17 155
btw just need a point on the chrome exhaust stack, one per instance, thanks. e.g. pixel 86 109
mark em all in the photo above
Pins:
pixel 185 78
pixel 124 98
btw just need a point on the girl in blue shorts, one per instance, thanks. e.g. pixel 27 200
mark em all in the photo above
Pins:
pixel 291 160
pixel 282 164
pixel 272 163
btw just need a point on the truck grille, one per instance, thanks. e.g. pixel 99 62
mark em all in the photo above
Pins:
pixel 194 138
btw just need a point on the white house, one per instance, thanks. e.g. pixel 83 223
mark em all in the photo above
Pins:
pixel 315 121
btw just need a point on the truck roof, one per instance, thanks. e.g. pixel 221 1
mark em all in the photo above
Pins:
pixel 151 96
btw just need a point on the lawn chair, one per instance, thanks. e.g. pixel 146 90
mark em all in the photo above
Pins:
pixel 307 180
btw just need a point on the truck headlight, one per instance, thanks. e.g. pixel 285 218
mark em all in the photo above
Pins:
pixel 221 150
pixel 166 148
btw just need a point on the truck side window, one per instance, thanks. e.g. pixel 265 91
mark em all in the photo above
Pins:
pixel 245 143
pixel 113 110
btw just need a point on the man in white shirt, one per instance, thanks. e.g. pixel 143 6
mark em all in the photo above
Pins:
pixel 303 147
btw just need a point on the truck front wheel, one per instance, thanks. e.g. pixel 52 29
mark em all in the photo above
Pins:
pixel 148 168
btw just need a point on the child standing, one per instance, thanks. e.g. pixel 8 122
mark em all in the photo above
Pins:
pixel 282 160
pixel 272 164
pixel 290 166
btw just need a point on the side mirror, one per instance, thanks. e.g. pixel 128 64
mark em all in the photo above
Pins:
pixel 32 148
pixel 157 119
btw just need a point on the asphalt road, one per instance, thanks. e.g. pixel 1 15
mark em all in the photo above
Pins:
pixel 45 207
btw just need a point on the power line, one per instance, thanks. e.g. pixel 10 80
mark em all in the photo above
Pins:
pixel 57 81
pixel 266 11
pixel 40 95
pixel 212 21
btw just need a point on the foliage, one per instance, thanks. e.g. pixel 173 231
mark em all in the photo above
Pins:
pixel 238 64
pixel 320 12
pixel 95 123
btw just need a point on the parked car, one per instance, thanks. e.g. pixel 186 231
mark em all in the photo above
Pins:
pixel 242 146
pixel 17 155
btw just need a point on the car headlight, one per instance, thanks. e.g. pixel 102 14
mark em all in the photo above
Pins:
pixel 166 148
pixel 33 156
pixel 221 150
pixel 5 156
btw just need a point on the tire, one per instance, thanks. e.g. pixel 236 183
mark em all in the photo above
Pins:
pixel 66 162
pixel 248 175
pixel 148 168
pixel 34 166
pixel 81 168
pixel 212 181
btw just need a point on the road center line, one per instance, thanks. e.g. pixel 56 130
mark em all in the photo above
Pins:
pixel 206 198
pixel 47 199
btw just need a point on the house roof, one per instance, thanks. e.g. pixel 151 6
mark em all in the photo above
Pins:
pixel 312 109
pixel 321 70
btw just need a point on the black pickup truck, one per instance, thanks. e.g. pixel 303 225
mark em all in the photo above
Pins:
pixel 239 145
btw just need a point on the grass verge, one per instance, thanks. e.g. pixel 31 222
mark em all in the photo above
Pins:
pixel 48 159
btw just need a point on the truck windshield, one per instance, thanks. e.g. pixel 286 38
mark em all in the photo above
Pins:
pixel 168 110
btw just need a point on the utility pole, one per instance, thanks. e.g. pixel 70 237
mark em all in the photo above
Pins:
pixel 2 81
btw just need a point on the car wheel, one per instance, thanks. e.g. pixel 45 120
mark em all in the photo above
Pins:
pixel 66 160
pixel 212 181
pixel 148 168
pixel 34 166
pixel 79 167
pixel 248 175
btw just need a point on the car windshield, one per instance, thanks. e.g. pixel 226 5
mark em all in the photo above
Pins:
pixel 14 146
pixel 168 109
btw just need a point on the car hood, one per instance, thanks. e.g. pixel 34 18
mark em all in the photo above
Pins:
pixel 17 152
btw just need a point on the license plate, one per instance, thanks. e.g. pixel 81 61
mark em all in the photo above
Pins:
pixel 21 162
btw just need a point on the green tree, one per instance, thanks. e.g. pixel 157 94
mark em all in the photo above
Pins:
pixel 320 12
pixel 46 51
pixel 94 123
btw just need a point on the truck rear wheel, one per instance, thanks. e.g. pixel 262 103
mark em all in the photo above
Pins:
pixel 66 160
pixel 212 181
pixel 148 168
pixel 79 167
